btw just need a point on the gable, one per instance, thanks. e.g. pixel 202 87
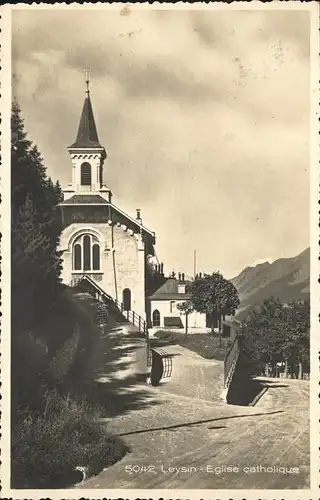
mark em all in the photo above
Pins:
pixel 92 208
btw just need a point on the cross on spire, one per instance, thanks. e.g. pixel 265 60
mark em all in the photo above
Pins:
pixel 87 77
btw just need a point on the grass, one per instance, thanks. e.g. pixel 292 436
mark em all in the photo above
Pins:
pixel 48 446
pixel 204 344
pixel 136 334
pixel 53 432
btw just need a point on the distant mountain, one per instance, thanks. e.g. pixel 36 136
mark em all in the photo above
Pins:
pixel 285 279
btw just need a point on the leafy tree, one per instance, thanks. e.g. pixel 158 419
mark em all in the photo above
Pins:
pixel 263 333
pixel 214 296
pixel 150 274
pixel 276 332
pixel 185 308
pixel 296 349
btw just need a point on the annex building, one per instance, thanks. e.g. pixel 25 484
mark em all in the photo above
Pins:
pixel 164 302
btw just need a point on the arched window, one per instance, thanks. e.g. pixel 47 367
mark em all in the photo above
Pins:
pixel 95 257
pixel 86 253
pixel 156 318
pixel 86 174
pixel 126 299
pixel 77 257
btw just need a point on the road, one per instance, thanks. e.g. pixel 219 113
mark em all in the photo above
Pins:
pixel 182 435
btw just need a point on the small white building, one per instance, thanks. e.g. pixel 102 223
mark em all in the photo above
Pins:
pixel 163 307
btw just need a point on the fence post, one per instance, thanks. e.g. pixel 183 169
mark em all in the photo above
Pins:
pixel 133 318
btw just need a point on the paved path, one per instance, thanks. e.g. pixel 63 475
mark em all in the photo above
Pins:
pixel 184 424
pixel 193 376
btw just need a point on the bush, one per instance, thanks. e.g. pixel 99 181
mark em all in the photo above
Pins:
pixel 88 353
pixel 58 326
pixel 167 335
pixel 30 377
pixel 48 447
pixel 64 358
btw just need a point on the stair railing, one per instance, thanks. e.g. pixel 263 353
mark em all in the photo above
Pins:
pixel 131 316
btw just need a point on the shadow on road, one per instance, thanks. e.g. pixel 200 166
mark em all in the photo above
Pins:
pixel 113 383
pixel 197 422
pixel 275 385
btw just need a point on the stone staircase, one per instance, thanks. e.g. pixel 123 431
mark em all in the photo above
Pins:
pixel 110 305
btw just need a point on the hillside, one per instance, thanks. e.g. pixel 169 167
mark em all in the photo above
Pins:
pixel 286 279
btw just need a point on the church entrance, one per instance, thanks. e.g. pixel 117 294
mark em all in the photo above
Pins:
pixel 126 299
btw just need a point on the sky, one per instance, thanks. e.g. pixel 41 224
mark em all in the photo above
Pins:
pixel 204 115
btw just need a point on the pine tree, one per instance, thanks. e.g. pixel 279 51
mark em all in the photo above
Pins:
pixel 29 265
pixel 58 192
pixel 36 227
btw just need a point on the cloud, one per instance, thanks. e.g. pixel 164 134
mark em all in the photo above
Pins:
pixel 205 117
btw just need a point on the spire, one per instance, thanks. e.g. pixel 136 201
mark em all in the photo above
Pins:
pixel 87 133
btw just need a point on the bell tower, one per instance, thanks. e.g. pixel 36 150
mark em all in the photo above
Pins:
pixel 87 156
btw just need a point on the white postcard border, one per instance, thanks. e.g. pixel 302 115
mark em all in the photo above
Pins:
pixel 5 107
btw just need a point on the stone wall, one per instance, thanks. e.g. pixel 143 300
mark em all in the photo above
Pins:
pixel 122 260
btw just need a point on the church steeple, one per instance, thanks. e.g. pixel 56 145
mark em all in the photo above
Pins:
pixel 87 155
pixel 87 136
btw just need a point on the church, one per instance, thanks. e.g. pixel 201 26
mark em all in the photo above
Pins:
pixel 99 239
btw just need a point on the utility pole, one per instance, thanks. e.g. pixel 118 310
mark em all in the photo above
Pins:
pixel 194 264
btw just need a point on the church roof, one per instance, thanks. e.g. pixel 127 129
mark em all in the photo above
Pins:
pixel 117 215
pixel 81 199
pixel 87 133
pixel 169 291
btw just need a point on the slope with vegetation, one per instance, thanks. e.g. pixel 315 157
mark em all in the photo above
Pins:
pixel 52 430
